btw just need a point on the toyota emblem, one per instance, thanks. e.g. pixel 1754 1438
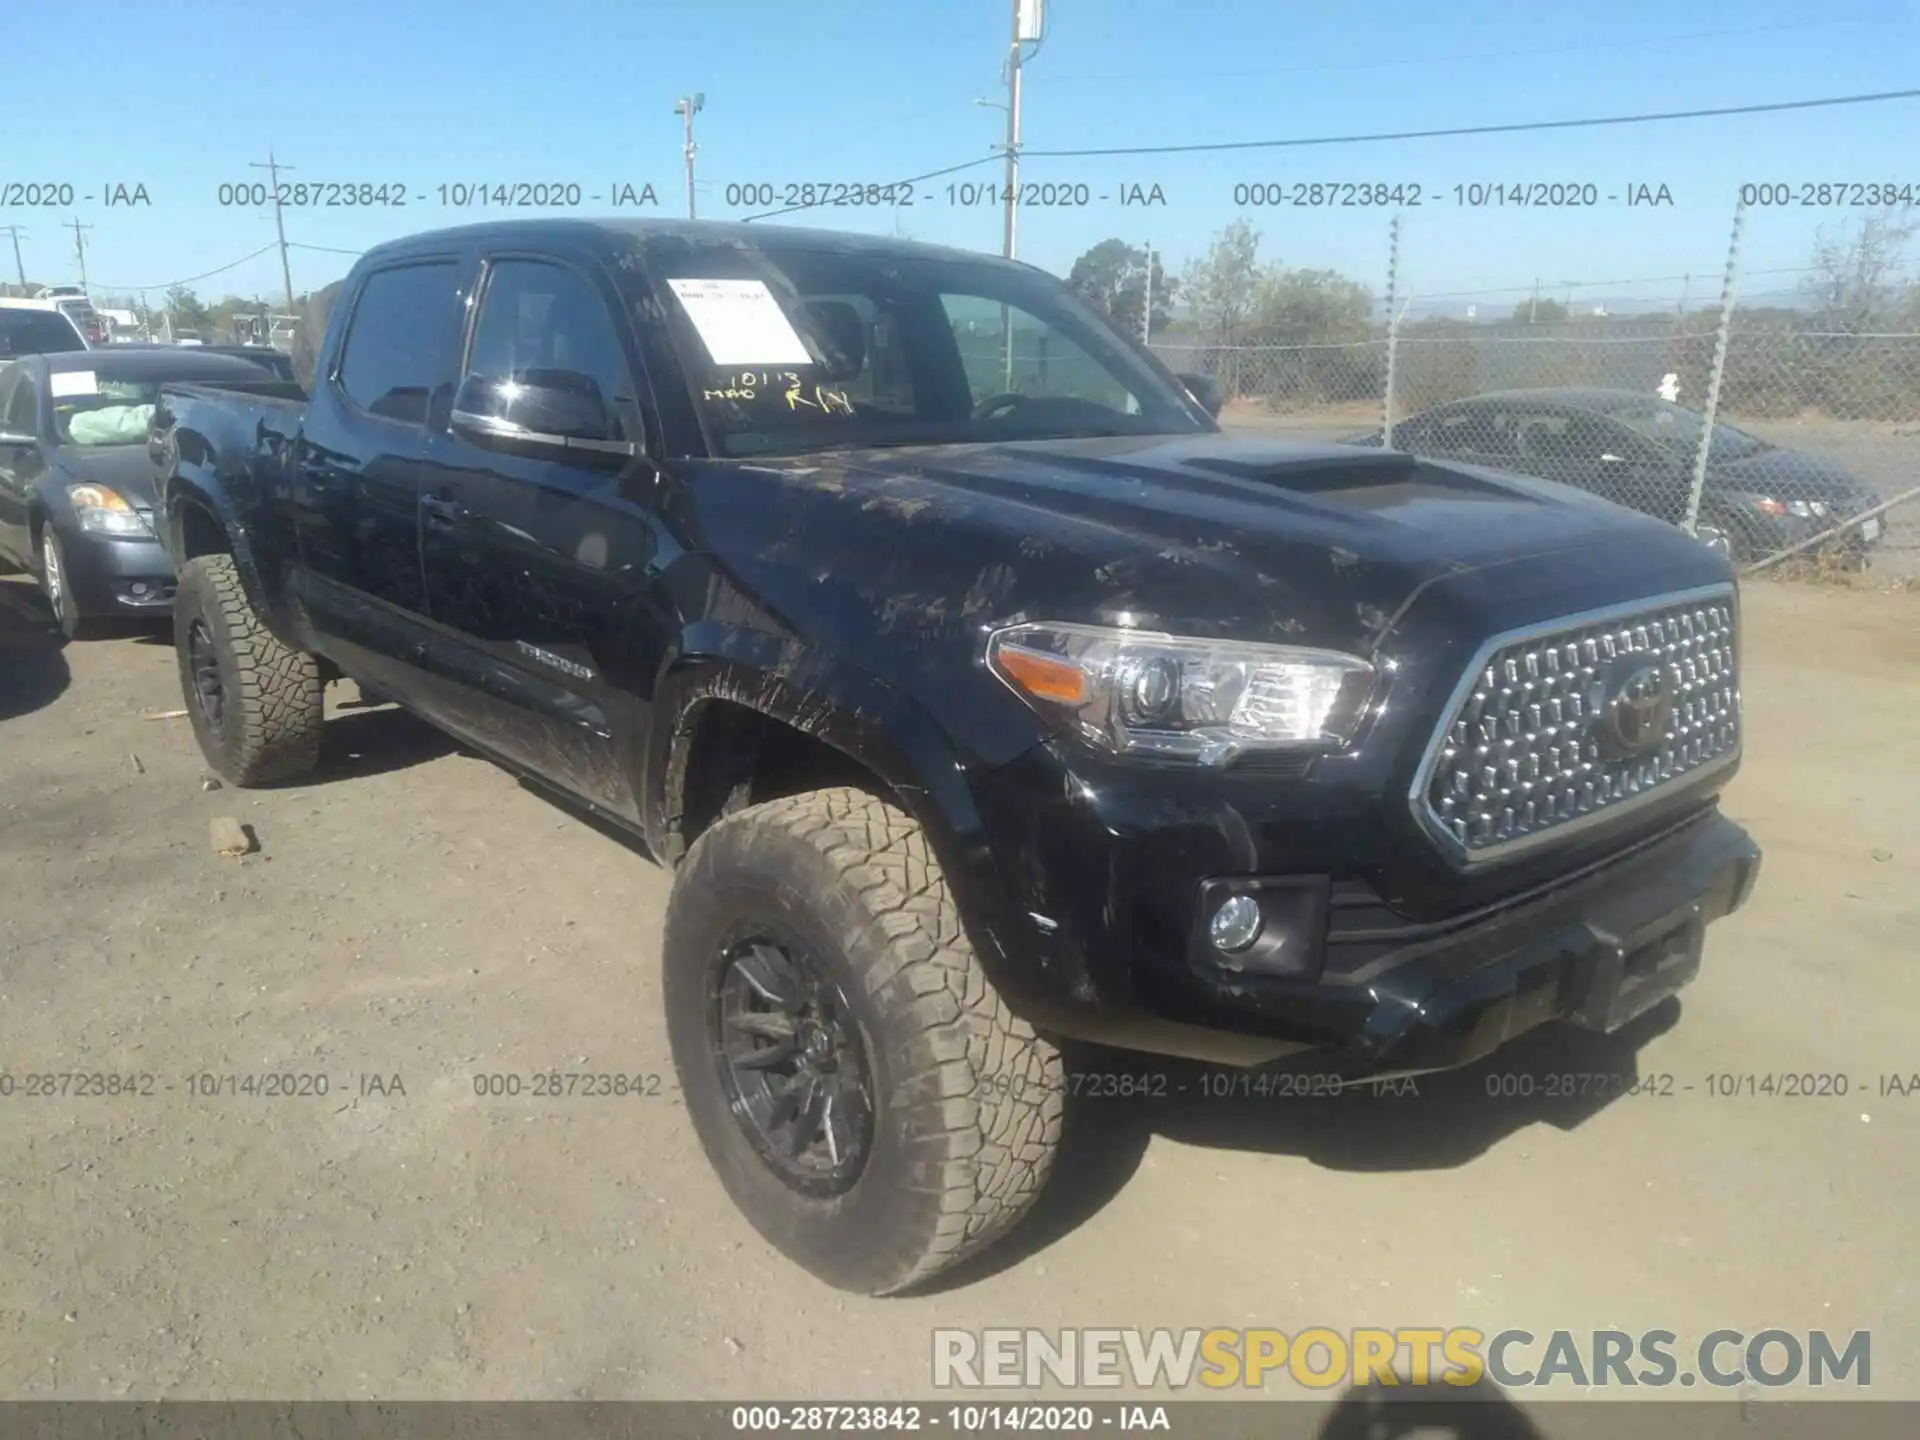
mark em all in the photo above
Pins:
pixel 1637 716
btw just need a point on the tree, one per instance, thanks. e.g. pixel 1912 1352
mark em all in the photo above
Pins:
pixel 187 310
pixel 1540 312
pixel 1854 270
pixel 1223 285
pixel 1321 307
pixel 1112 277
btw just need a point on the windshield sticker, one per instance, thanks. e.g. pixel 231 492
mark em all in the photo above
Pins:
pixel 741 323
pixel 74 382
pixel 782 384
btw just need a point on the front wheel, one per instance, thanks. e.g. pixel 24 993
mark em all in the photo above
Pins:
pixel 56 581
pixel 254 702
pixel 866 1097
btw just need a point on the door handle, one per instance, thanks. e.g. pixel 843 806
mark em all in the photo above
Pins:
pixel 442 510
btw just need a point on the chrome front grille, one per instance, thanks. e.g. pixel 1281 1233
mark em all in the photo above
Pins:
pixel 1559 726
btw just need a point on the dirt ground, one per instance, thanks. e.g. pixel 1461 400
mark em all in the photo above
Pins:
pixel 415 918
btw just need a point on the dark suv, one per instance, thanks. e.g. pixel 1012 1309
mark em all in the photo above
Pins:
pixel 982 692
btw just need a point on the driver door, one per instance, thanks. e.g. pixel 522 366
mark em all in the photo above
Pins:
pixel 541 564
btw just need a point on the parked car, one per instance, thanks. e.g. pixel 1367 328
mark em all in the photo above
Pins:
pixel 277 363
pixel 972 718
pixel 76 485
pixel 1638 450
pixel 30 329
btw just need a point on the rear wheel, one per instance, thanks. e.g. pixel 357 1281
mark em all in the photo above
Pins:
pixel 866 1097
pixel 254 702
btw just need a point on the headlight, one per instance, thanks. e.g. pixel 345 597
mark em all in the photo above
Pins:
pixel 1133 692
pixel 105 512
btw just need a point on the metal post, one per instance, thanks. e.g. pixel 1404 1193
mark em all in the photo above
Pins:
pixel 19 266
pixel 1729 287
pixel 1146 310
pixel 1013 135
pixel 273 168
pixel 1393 333
pixel 80 249
pixel 686 116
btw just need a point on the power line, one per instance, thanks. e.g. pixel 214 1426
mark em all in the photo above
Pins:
pixel 206 275
pixel 1581 49
pixel 1641 119
pixel 910 180
pixel 327 249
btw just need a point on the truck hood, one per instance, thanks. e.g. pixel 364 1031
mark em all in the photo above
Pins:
pixel 1209 535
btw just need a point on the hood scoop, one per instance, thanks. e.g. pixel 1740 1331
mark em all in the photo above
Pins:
pixel 1333 474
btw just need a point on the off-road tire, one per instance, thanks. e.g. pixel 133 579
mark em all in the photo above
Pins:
pixel 968 1100
pixel 271 725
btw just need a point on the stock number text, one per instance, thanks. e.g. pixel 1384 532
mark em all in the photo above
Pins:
pixel 1341 194
pixel 320 195
pixel 1825 194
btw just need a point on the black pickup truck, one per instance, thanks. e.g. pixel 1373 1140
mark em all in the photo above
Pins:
pixel 982 692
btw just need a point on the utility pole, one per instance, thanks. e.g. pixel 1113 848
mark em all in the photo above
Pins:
pixel 686 108
pixel 80 249
pixel 1013 134
pixel 1534 303
pixel 19 266
pixel 1146 310
pixel 273 168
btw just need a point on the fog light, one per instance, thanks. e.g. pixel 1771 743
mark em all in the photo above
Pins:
pixel 1236 924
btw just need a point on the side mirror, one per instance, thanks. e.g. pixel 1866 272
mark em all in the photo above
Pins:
pixel 1205 391
pixel 542 410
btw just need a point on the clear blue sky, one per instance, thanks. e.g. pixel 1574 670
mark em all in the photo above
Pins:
pixel 181 97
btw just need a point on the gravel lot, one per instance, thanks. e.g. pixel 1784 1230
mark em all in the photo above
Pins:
pixel 415 916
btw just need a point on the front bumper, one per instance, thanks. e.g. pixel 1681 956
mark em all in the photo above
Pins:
pixel 1598 951
pixel 115 576
pixel 1593 933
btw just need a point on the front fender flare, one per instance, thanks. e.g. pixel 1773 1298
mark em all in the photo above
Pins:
pixel 875 725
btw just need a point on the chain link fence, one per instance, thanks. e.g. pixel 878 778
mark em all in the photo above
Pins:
pixel 1799 440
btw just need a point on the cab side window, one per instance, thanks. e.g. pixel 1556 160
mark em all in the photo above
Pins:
pixel 547 347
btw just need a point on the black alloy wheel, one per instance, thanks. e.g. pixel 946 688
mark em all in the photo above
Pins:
pixel 209 689
pixel 793 1064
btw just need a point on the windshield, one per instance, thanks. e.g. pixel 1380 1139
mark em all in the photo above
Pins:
pixel 791 350
pixel 1678 429
pixel 112 412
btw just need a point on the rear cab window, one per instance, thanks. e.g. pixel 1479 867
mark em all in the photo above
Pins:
pixel 402 339
pixel 37 332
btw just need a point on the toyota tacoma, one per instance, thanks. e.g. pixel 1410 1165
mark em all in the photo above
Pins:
pixel 982 693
